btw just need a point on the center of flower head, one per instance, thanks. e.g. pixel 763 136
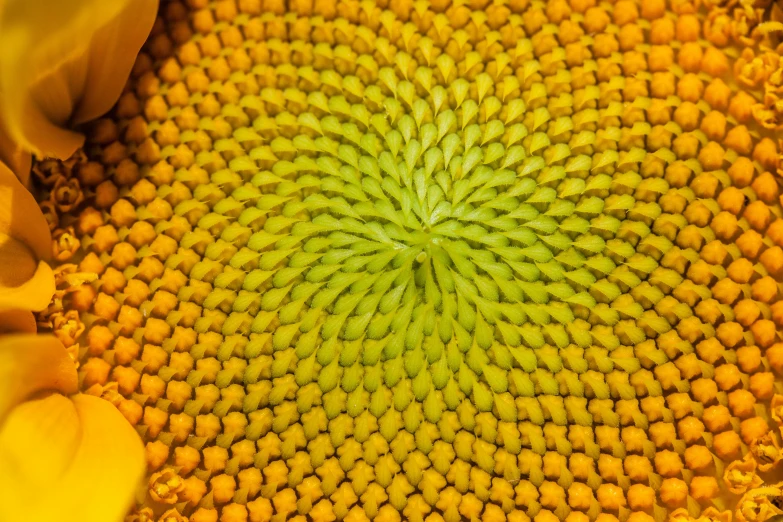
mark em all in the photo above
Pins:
pixel 438 203
pixel 434 237
pixel 374 260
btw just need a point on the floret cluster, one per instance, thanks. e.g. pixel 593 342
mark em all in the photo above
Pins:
pixel 435 261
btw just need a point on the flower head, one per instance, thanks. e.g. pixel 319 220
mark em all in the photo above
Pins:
pixel 437 260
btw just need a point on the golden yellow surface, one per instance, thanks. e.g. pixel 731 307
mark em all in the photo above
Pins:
pixel 436 261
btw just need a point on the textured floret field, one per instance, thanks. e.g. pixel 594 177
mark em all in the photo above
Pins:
pixel 444 261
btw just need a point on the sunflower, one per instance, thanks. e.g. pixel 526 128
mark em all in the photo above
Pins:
pixel 64 455
pixel 394 260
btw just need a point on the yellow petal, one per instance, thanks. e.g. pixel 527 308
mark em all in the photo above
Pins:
pixel 15 158
pixel 113 51
pixel 34 294
pixel 30 364
pixel 26 281
pixel 20 216
pixel 68 459
pixel 65 62
pixel 17 263
pixel 24 434
pixel 17 321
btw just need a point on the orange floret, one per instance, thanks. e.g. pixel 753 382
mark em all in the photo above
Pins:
pixel 610 468
pixel 704 489
pixel 730 334
pixel 688 28
pixel 641 497
pixel 95 371
pixel 89 221
pixel 726 445
pixel 752 429
pixel 181 426
pixel 775 231
pixel 580 496
pixel 725 225
pixel 604 45
pixel 239 513
pixel 653 9
pixel 687 115
pixel 686 146
pixel 697 213
pixel 731 199
pixel 717 94
pixel 673 492
pixel 127 379
pixel 750 244
pixel 123 255
pixel 772 259
pixel 741 172
pixel 250 480
pixel 660 58
pixel 749 358
pixel 727 376
pixel 576 516
pixel 698 458
pixel 630 36
pixel 690 88
pixel 194 490
pixel 742 403
pixel 204 515
pixel 711 155
pixel 690 57
pixel 625 12
pixel 610 497
pixel 223 488
pixel 714 62
pixel 106 194
pixel 99 339
pixel 746 312
pixel 129 319
pixel 668 463
pixel 740 271
pixel 690 429
pixel 157 454
pixel 766 188
pixel 741 107
pixel 260 510
pixel 758 215
pixel 596 19
pixel 766 153
pixel 705 185
pixel 581 466
pixel 637 467
pixel 661 31
pixel 714 124
pixel 762 385
pixel 704 390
